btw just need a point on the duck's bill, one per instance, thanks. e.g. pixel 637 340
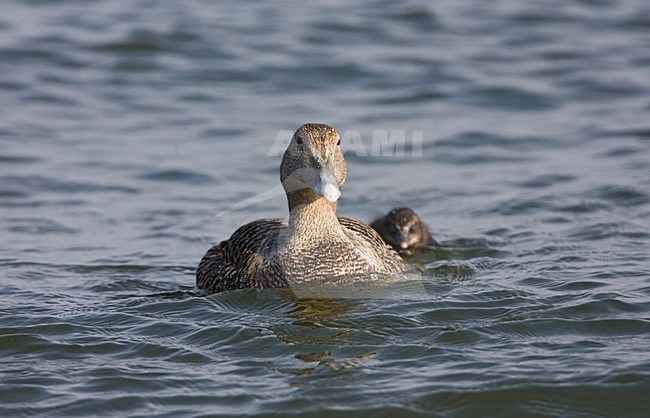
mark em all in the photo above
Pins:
pixel 326 185
pixel 329 191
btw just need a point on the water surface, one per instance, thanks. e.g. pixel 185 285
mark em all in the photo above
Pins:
pixel 130 129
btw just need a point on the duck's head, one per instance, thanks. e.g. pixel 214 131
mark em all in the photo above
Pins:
pixel 313 165
pixel 405 230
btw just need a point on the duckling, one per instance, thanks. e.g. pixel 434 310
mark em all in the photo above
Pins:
pixel 313 243
pixel 402 229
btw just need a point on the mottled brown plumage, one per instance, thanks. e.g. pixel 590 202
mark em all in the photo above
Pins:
pixel 314 243
pixel 403 230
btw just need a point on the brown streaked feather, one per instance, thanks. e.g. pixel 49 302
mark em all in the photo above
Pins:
pixel 246 260
pixel 387 253
pixel 237 263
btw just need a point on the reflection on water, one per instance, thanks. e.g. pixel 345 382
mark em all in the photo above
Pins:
pixel 315 309
pixel 312 333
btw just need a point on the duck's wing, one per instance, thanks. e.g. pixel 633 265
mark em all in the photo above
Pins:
pixel 238 262
pixel 391 259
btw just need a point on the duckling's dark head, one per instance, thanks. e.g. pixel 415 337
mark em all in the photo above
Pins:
pixel 313 164
pixel 402 229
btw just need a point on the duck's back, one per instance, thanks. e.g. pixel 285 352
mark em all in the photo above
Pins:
pixel 255 257
pixel 237 262
pixel 387 258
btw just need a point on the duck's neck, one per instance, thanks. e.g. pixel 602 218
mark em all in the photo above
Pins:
pixel 311 216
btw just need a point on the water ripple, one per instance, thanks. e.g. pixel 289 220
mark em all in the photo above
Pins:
pixel 126 127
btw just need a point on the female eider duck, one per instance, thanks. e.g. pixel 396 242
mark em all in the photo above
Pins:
pixel 403 230
pixel 314 243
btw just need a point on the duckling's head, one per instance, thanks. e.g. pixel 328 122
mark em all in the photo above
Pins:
pixel 403 229
pixel 313 164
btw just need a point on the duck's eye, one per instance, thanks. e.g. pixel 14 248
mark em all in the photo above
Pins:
pixel 299 141
pixel 339 143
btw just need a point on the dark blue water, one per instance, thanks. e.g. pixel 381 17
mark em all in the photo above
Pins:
pixel 134 135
